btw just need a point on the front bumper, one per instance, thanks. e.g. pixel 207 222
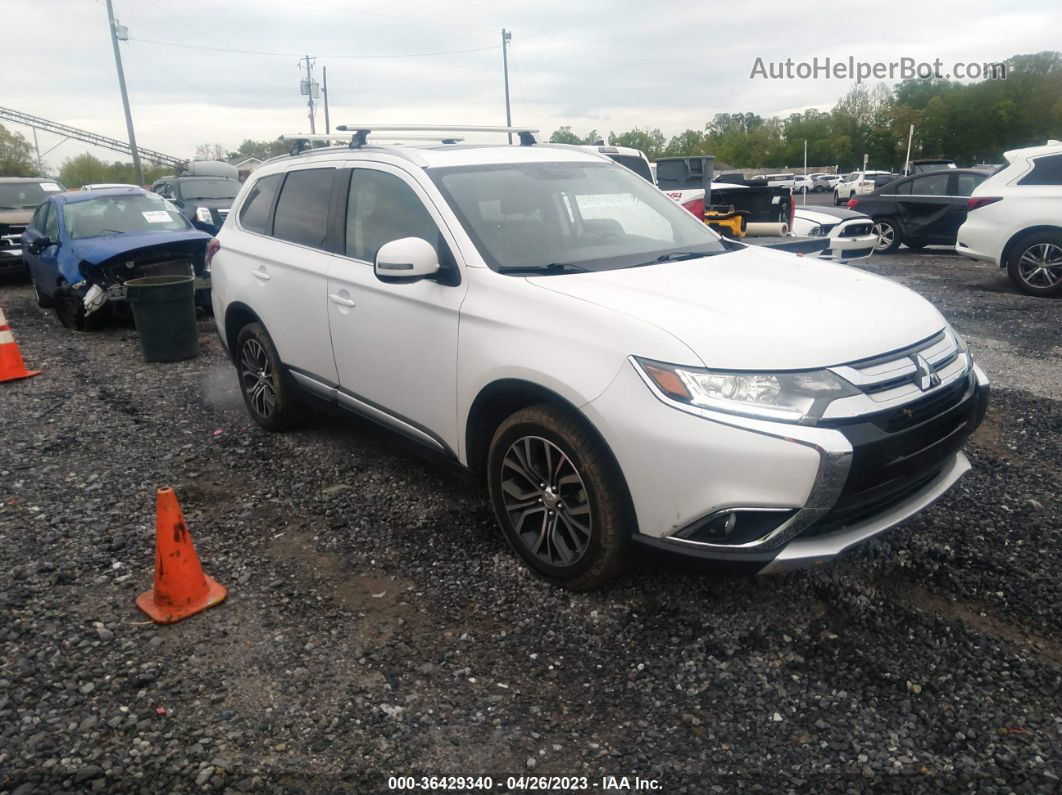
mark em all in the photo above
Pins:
pixel 834 485
pixel 844 247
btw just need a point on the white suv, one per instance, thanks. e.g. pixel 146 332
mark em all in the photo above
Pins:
pixel 619 375
pixel 855 184
pixel 1014 219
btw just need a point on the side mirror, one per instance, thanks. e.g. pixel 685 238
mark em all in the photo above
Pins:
pixel 405 260
pixel 38 245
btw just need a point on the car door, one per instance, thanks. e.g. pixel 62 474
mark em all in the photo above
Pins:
pixel 286 255
pixel 44 264
pixel 395 344
pixel 924 212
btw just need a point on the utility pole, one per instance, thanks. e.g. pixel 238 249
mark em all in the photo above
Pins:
pixel 324 92
pixel 307 88
pixel 506 38
pixel 125 95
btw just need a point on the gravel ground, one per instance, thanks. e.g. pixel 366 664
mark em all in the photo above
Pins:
pixel 378 625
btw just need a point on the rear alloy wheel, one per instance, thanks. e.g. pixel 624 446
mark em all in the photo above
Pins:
pixel 888 236
pixel 262 382
pixel 559 497
pixel 1035 265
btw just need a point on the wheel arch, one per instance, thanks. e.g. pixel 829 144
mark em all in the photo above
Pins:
pixel 500 399
pixel 1016 238
pixel 237 315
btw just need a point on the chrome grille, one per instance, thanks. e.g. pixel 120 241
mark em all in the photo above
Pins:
pixel 894 379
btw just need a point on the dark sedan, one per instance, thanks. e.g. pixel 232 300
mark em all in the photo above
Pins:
pixel 920 210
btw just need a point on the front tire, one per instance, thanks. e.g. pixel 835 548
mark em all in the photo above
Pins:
pixel 888 236
pixel 43 301
pixel 559 497
pixel 1035 264
pixel 263 382
pixel 836 199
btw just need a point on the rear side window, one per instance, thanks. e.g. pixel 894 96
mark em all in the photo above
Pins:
pixel 254 215
pixel 965 183
pixel 302 209
pixel 932 185
pixel 382 208
pixel 1046 171
pixel 636 164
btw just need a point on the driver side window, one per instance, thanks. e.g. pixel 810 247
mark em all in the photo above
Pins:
pixel 381 208
pixel 51 222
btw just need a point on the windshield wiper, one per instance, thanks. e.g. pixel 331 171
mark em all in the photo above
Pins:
pixel 676 256
pixel 553 267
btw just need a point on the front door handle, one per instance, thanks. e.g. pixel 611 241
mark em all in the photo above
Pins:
pixel 261 275
pixel 339 299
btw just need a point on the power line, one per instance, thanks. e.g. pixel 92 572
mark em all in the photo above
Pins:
pixel 411 20
pixel 297 55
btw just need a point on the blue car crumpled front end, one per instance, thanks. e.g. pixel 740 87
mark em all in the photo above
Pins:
pixel 97 268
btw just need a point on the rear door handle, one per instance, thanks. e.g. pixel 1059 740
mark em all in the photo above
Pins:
pixel 338 299
pixel 262 275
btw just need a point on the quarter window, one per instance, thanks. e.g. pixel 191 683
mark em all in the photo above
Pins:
pixel 254 215
pixel 381 208
pixel 1046 171
pixel 302 209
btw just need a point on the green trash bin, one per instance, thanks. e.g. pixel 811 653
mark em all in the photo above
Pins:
pixel 164 311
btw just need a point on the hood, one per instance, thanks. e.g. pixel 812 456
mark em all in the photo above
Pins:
pixel 19 217
pixel 827 215
pixel 97 250
pixel 762 310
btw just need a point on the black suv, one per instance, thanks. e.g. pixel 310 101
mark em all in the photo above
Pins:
pixel 203 192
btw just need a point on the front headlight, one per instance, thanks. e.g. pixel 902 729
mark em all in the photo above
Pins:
pixel 815 231
pixel 799 397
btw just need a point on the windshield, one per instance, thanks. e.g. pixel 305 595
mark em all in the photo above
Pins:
pixel 23 195
pixel 136 213
pixel 568 217
pixel 210 189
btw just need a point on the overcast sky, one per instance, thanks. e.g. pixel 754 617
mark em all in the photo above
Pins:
pixel 591 64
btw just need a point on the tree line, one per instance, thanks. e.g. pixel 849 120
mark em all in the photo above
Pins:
pixel 969 122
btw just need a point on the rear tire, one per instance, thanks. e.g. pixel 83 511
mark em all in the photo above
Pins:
pixel 888 233
pixel 1035 264
pixel 836 199
pixel 264 383
pixel 559 497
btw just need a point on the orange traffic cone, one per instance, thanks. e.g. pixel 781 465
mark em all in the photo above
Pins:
pixel 181 588
pixel 11 365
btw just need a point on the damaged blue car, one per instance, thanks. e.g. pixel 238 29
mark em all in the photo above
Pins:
pixel 82 247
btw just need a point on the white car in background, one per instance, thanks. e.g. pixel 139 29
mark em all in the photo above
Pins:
pixel 1014 219
pixel 851 234
pixel 855 184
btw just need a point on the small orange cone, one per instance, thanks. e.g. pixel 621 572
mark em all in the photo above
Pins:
pixel 181 588
pixel 11 365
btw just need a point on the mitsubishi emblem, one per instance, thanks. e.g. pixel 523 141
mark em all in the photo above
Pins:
pixel 924 376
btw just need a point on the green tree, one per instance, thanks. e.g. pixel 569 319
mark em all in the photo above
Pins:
pixel 16 155
pixel 87 169
pixel 210 152
pixel 652 142
pixel 263 150
pixel 564 135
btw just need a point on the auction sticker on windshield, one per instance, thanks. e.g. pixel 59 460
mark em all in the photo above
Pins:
pixel 156 216
pixel 50 186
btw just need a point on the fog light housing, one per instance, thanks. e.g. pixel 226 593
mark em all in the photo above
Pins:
pixel 735 526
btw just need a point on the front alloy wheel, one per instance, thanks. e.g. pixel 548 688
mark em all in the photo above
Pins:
pixel 546 501
pixel 560 497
